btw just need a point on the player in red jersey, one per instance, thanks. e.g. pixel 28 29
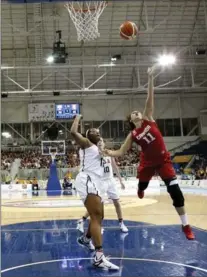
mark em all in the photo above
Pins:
pixel 154 156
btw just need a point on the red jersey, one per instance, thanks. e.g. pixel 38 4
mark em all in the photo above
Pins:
pixel 150 139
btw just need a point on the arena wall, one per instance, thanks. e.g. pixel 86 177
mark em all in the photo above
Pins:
pixel 167 106
pixel 155 188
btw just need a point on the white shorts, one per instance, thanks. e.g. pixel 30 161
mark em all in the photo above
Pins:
pixel 89 183
pixel 111 188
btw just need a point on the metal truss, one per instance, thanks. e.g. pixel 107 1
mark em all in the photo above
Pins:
pixel 84 91
pixel 102 65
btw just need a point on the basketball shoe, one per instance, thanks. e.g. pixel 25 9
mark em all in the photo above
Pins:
pixel 140 193
pixel 83 241
pixel 123 227
pixel 188 232
pixel 100 261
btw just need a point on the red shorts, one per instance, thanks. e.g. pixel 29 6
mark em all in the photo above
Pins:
pixel 164 170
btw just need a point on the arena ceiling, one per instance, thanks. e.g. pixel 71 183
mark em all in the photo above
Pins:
pixel 29 31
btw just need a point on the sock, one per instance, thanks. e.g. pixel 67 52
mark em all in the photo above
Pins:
pixel 184 219
pixel 99 252
pixel 99 248
pixel 88 236
pixel 120 220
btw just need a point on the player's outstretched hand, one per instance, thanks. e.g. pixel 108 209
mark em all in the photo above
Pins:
pixel 151 70
pixel 79 116
pixel 106 152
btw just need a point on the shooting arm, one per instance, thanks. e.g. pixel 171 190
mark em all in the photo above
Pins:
pixel 149 105
pixel 79 139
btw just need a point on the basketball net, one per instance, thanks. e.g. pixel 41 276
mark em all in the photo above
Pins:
pixel 85 17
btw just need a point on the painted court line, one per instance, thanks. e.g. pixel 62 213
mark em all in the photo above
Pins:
pixel 200 229
pixel 118 258
pixel 147 225
pixel 74 228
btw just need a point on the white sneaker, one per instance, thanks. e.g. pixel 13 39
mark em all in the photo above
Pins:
pixel 83 241
pixel 104 264
pixel 80 225
pixel 123 228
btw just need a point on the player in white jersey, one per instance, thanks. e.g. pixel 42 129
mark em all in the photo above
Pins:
pixel 109 184
pixel 88 185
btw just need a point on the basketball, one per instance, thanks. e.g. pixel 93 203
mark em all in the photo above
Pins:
pixel 128 30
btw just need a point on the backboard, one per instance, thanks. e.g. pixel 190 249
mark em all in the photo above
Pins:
pixel 49 147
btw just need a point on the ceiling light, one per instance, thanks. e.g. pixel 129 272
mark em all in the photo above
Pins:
pixel 50 59
pixel 6 134
pixel 166 60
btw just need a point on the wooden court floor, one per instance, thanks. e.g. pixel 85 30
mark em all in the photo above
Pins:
pixel 156 210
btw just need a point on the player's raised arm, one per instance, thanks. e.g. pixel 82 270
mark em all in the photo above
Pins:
pixel 123 149
pixel 149 105
pixel 79 139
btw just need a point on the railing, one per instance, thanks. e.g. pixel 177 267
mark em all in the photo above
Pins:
pixel 43 174
pixel 184 146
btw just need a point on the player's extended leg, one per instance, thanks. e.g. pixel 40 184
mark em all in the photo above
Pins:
pixel 94 207
pixel 89 190
pixel 144 174
pixel 167 173
pixel 113 194
pixel 117 206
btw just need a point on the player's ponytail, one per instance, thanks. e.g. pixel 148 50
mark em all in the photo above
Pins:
pixel 130 124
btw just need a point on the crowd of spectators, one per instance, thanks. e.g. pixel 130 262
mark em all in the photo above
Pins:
pixel 199 167
pixel 197 170
pixel 33 159
pixel 129 159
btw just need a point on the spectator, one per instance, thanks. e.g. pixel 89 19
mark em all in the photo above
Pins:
pixel 33 159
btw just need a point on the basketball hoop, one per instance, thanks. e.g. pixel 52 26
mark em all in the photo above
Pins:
pixel 85 16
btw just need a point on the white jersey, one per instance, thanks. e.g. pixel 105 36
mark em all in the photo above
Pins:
pixel 90 160
pixel 107 168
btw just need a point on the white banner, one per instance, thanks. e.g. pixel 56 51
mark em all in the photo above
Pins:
pixel 16 187
pixel 41 112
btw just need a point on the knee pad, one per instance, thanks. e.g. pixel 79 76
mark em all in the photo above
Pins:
pixel 143 185
pixel 176 195
pixel 171 182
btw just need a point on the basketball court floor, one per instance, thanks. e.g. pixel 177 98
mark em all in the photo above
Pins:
pixel 39 237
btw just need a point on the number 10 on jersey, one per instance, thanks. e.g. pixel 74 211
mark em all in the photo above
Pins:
pixel 106 168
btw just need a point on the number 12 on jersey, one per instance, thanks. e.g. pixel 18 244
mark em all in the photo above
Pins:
pixel 149 138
